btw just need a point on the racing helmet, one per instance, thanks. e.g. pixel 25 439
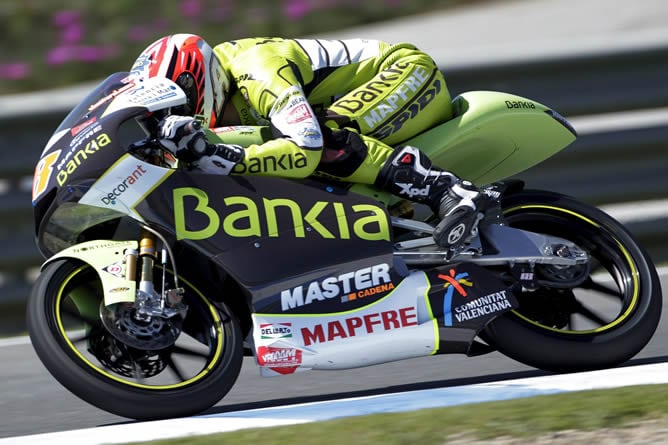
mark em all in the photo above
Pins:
pixel 191 63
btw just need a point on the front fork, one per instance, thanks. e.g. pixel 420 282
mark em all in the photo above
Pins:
pixel 149 303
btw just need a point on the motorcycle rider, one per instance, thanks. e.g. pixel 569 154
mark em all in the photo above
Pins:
pixel 336 108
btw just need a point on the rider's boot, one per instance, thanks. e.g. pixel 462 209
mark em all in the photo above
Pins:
pixel 408 173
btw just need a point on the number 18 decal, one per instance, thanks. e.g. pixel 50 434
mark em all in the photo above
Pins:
pixel 43 172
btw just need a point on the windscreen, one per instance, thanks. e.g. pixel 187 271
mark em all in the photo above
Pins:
pixel 109 88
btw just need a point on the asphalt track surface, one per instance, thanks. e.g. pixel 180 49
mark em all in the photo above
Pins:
pixel 33 402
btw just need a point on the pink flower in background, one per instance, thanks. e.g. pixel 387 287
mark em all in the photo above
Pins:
pixel 160 25
pixel 137 34
pixel 82 53
pixel 220 13
pixel 89 53
pixel 14 71
pixel 257 15
pixel 296 9
pixel 191 8
pixel 59 55
pixel 66 18
pixel 72 34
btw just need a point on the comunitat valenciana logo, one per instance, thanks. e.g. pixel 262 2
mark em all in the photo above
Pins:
pixel 455 282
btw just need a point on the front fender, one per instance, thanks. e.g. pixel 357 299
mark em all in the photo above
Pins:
pixel 107 257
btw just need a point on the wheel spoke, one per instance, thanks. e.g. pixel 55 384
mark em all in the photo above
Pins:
pixel 79 317
pixel 592 285
pixel 175 369
pixel 189 352
pixel 138 372
pixel 579 308
pixel 82 337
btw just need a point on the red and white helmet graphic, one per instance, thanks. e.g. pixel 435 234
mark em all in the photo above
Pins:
pixel 190 62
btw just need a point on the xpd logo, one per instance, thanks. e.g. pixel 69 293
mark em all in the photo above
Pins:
pixel 453 282
pixel 412 191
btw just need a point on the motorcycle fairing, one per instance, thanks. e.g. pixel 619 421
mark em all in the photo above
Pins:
pixel 495 135
pixel 266 231
pixel 441 310
pixel 463 294
pixel 396 327
pixel 89 138
pixel 342 287
pixel 124 185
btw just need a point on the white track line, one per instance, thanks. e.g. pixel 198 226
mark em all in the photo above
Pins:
pixel 318 411
pixel 621 120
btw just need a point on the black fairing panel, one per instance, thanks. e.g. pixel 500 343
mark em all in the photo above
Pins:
pixel 269 233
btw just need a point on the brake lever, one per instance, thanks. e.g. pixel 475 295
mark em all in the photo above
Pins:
pixel 150 150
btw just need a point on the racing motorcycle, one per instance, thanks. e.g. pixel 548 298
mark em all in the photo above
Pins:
pixel 159 279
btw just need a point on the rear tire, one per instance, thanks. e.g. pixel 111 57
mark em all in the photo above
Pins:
pixel 183 379
pixel 560 330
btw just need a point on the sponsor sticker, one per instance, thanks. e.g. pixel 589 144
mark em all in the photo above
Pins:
pixel 324 219
pixel 111 95
pixel 275 331
pixel 75 157
pixel 123 185
pixel 482 306
pixel 282 361
pixel 276 357
pixel 157 92
pixel 118 289
pixel 370 323
pixel 43 172
pixel 348 286
pixel 468 299
pixel 454 282
pixel 115 269
pixel 299 114
pixel 76 130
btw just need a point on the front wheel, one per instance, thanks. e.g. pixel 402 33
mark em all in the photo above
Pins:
pixel 184 378
pixel 604 321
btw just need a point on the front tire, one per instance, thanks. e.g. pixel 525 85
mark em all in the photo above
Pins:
pixel 183 379
pixel 603 322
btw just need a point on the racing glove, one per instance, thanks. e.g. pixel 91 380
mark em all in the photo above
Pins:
pixel 219 159
pixel 184 137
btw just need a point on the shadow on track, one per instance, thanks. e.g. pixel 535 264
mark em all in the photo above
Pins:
pixel 402 388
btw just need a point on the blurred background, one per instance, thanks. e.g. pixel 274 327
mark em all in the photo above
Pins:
pixel 45 44
pixel 601 63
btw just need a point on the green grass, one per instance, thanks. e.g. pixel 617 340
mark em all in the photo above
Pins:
pixel 522 418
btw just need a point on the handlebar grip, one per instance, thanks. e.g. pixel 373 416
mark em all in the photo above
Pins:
pixel 192 127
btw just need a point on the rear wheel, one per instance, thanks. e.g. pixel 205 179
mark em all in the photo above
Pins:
pixel 178 379
pixel 604 321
